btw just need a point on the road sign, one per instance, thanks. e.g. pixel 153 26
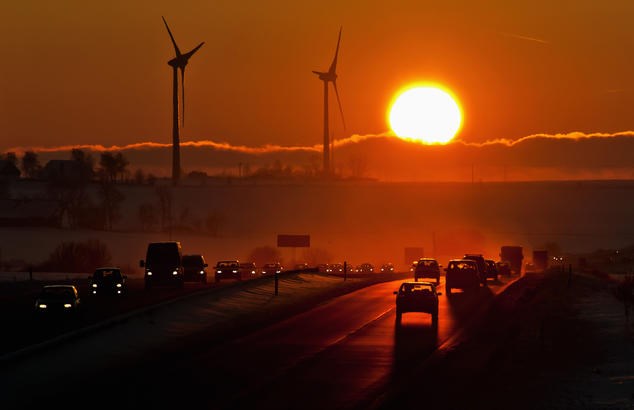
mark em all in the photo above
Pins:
pixel 293 241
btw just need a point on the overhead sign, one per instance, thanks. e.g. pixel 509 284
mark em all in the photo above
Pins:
pixel 293 241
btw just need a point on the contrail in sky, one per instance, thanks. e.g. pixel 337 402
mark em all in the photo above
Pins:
pixel 527 38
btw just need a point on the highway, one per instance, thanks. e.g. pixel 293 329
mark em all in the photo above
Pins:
pixel 341 354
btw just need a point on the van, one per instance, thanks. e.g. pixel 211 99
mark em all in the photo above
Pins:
pixel 163 264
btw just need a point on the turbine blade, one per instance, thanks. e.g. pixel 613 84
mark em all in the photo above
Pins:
pixel 178 52
pixel 343 121
pixel 333 66
pixel 183 96
pixel 191 53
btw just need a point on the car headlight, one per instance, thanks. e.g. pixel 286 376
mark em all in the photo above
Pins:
pixel 42 306
pixel 218 271
pixel 175 272
pixel 278 271
pixel 67 305
pixel 235 271
pixel 149 273
pixel 94 285
pixel 118 285
pixel 202 272
pixel 253 272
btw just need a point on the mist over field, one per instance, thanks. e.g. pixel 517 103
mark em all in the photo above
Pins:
pixel 358 221
pixel 571 156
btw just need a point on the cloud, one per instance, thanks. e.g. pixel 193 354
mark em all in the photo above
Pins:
pixel 526 38
pixel 574 155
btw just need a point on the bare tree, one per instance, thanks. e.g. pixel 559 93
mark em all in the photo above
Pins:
pixel 111 198
pixel 108 164
pixel 86 164
pixel 139 176
pixel 11 157
pixel 31 164
pixel 147 216
pixel 264 254
pixel 213 222
pixel 166 201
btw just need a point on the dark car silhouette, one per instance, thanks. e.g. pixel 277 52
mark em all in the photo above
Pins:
pixel 387 268
pixel 228 270
pixel 427 268
pixel 365 268
pixel 481 265
pixel 417 297
pixel 462 274
pixel 248 268
pixel 194 268
pixel 108 281
pixel 272 268
pixel 492 269
pixel 57 299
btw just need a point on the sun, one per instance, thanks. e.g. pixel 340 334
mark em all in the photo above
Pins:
pixel 426 114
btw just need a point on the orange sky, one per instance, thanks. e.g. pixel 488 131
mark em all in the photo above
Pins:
pixel 75 72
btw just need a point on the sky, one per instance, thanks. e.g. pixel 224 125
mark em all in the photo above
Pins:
pixel 76 72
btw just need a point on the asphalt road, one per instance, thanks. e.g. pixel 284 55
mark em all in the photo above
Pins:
pixel 342 354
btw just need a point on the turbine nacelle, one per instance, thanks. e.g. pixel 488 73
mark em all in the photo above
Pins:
pixel 332 77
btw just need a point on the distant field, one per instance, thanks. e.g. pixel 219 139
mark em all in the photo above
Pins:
pixel 361 221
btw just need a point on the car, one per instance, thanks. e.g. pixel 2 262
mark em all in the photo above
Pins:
pixel 387 268
pixel 492 269
pixel 107 281
pixel 323 267
pixel 365 268
pixel 302 266
pixel 481 264
pixel 427 268
pixel 462 274
pixel 336 268
pixel 272 268
pixel 58 300
pixel 247 269
pixel 504 268
pixel 227 270
pixel 416 296
pixel 194 268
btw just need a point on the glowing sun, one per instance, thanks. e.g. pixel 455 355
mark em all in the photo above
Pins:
pixel 425 114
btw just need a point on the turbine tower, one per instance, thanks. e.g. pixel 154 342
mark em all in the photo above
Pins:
pixel 330 76
pixel 178 62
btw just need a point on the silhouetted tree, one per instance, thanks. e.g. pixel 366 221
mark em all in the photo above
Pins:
pixel 31 164
pixel 151 179
pixel 77 257
pixel 166 200
pixel 139 177
pixel 264 254
pixel 11 157
pixel 121 163
pixel 86 164
pixel 147 216
pixel 111 198
pixel 213 222
pixel 108 164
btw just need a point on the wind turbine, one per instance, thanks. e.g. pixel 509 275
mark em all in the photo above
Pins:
pixel 178 62
pixel 330 76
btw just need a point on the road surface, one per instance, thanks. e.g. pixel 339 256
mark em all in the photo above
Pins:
pixel 341 354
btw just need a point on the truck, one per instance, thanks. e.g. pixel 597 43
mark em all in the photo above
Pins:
pixel 540 260
pixel 163 264
pixel 514 256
